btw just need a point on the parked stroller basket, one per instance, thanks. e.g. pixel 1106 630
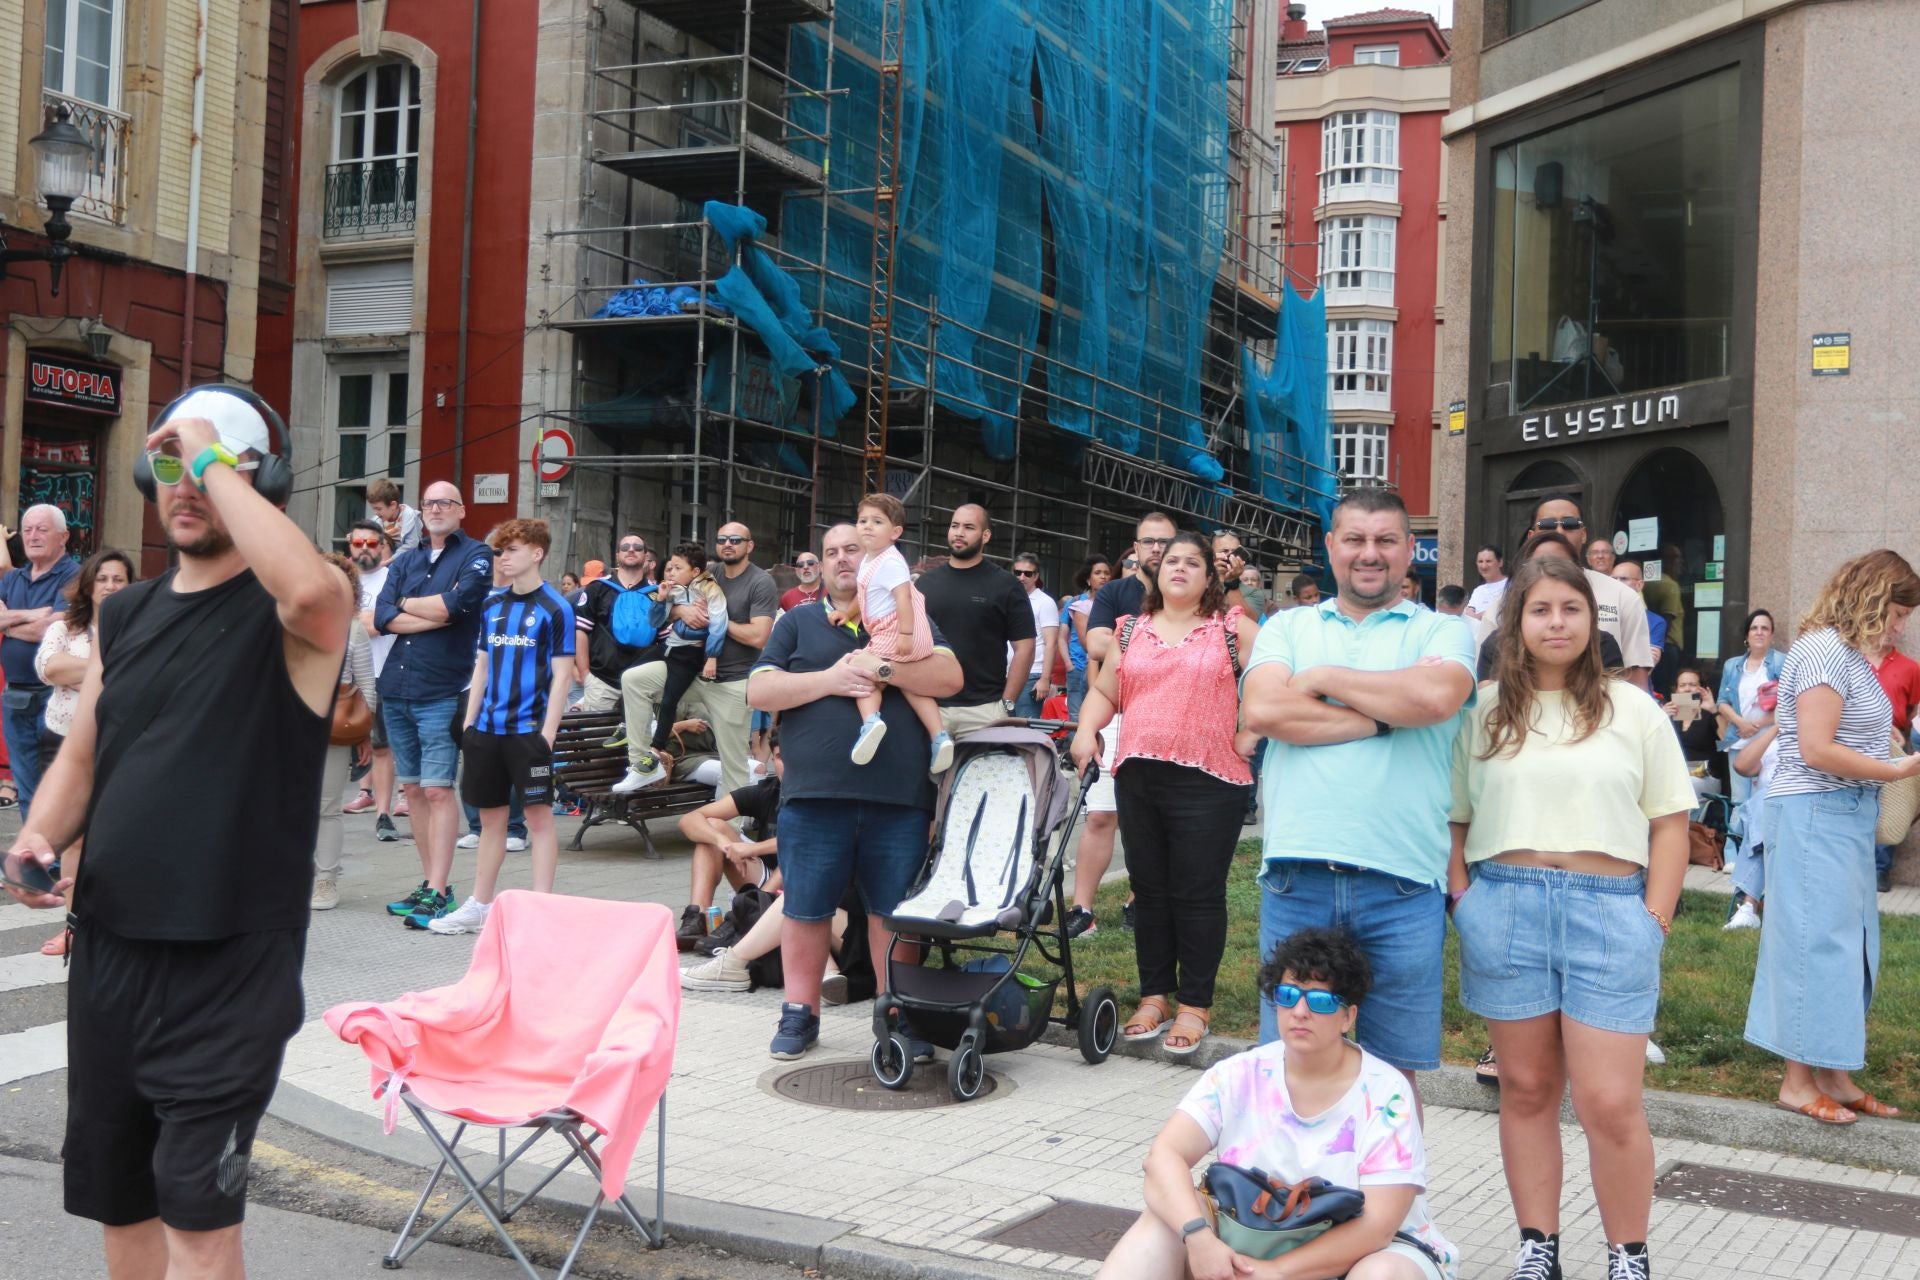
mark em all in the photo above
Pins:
pixel 991 898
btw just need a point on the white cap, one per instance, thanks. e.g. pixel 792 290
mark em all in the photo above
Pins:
pixel 239 424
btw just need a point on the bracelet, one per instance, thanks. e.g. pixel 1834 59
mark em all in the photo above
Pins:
pixel 1665 923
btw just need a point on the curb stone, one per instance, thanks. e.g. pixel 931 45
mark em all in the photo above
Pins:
pixel 1729 1122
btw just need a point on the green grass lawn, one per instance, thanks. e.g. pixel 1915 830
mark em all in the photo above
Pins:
pixel 1706 977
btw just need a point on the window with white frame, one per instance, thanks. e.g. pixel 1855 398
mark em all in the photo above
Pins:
pixel 1356 260
pixel 80 71
pixel 1359 363
pixel 1360 453
pixel 1386 55
pixel 372 184
pixel 369 400
pixel 1360 156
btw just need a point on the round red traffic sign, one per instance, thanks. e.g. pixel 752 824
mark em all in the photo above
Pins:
pixel 554 444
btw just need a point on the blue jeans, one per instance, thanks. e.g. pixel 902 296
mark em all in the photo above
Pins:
pixel 1026 705
pixel 1077 691
pixel 516 817
pixel 825 845
pixel 26 710
pixel 1402 927
pixel 425 752
pixel 1882 859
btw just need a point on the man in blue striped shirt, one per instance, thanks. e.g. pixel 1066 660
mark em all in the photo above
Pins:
pixel 521 676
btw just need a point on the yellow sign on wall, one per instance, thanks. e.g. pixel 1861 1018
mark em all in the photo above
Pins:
pixel 1832 354
pixel 1457 418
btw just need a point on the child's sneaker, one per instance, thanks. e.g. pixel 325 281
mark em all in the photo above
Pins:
pixel 431 908
pixel 873 730
pixel 942 753
pixel 405 906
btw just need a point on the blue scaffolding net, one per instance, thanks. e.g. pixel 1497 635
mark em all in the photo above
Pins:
pixel 1063 201
pixel 1286 411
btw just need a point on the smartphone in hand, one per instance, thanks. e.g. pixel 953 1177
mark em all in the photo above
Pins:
pixel 25 873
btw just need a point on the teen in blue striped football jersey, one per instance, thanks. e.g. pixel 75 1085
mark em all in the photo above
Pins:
pixel 521 676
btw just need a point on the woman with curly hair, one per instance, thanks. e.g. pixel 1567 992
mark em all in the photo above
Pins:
pixel 1569 822
pixel 1820 936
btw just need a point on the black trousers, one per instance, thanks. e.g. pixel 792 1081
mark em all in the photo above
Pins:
pixel 1179 825
pixel 683 668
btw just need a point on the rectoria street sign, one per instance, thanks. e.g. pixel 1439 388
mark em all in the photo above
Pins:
pixel 1592 421
pixel 73 384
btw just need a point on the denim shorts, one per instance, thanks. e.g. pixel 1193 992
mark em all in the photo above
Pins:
pixel 418 729
pixel 825 845
pixel 1535 941
pixel 1402 927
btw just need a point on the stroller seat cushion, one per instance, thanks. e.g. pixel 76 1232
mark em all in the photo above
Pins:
pixel 985 853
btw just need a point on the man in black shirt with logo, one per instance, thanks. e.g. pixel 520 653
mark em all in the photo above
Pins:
pixel 599 657
pixel 981 609
pixel 190 926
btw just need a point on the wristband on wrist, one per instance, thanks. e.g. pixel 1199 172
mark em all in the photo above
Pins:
pixel 1665 923
pixel 215 452
pixel 1193 1228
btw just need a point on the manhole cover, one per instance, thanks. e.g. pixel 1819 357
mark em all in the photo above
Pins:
pixel 1072 1227
pixel 850 1086
pixel 1767 1196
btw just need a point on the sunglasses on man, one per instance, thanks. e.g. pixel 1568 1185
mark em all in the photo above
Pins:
pixel 731 539
pixel 1547 524
pixel 169 468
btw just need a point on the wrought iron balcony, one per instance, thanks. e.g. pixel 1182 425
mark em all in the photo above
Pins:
pixel 104 196
pixel 370 198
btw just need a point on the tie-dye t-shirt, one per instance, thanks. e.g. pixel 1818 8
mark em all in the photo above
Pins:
pixel 1370 1138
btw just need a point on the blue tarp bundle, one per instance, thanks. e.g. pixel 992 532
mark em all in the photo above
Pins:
pixel 1288 431
pixel 642 298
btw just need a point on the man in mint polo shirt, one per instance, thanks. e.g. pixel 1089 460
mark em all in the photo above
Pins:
pixel 1362 695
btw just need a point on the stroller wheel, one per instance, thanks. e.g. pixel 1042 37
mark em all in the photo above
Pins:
pixel 892 1061
pixel 1099 1025
pixel 966 1072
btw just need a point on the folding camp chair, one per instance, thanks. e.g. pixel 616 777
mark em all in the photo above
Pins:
pixel 564 1024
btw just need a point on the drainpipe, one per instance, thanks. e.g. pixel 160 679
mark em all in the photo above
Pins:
pixel 194 152
pixel 466 253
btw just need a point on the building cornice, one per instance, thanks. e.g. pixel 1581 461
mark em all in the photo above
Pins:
pixel 1355 208
pixel 1363 87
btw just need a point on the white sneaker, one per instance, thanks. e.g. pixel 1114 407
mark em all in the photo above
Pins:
pixel 467 841
pixel 1744 917
pixel 516 844
pixel 469 917
pixel 326 894
pixel 1654 1056
pixel 724 972
pixel 635 779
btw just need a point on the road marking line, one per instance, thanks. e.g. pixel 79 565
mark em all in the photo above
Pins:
pixel 30 970
pixel 33 1052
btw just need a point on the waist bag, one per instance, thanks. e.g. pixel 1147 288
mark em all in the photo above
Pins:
pixel 1262 1217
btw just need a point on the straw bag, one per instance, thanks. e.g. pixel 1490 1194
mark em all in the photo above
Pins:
pixel 1899 803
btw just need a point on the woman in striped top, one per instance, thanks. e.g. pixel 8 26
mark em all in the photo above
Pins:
pixel 1820 936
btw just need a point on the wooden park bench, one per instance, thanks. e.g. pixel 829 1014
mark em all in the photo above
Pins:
pixel 586 766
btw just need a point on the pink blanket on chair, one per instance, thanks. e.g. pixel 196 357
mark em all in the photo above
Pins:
pixel 568 1003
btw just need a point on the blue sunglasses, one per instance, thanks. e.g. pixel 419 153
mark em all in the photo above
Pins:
pixel 1286 995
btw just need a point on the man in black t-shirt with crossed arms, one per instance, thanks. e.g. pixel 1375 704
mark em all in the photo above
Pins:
pixel 190 931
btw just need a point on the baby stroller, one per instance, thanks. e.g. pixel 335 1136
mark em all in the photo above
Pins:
pixel 1000 836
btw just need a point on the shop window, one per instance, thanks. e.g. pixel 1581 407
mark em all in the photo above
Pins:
pixel 1386 55
pixel 1356 260
pixel 1360 156
pixel 1360 360
pixel 1612 255
pixel 372 184
pixel 1686 567
pixel 1524 15
pixel 370 435
pixel 1360 454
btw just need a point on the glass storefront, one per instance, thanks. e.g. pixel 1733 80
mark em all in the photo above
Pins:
pixel 1612 256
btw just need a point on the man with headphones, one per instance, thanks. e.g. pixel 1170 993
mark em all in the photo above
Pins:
pixel 189 925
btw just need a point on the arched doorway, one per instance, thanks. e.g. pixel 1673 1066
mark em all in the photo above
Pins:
pixel 1686 564
pixel 1549 475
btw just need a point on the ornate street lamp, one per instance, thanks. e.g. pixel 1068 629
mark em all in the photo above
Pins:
pixel 63 156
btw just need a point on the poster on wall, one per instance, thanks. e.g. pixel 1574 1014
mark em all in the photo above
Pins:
pixel 1709 595
pixel 1706 631
pixel 1643 535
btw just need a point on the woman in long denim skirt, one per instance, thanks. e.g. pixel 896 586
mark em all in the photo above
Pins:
pixel 1820 935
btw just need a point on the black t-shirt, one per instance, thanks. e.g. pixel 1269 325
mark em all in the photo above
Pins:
pixel 760 802
pixel 816 738
pixel 1116 600
pixel 980 611
pixel 1610 657
pixel 205 827
pixel 1697 740
pixel 606 656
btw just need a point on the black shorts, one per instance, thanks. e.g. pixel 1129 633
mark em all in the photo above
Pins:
pixel 499 763
pixel 173 1049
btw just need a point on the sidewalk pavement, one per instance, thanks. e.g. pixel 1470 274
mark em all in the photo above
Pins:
pixel 917 1193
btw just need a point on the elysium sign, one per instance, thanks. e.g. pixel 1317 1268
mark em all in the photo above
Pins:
pixel 1591 422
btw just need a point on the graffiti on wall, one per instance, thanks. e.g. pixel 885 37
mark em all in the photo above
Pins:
pixel 72 492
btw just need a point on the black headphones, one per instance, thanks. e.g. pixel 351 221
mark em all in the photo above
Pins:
pixel 272 478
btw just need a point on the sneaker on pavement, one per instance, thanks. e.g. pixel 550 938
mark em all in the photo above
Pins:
pixel 643 773
pixel 942 753
pixel 1628 1262
pixel 516 844
pixel 618 738
pixel 326 894
pixel 693 927
pixel 470 918
pixel 922 1047
pixel 724 972
pixel 400 809
pixel 1538 1259
pixel 833 988
pixel 873 731
pixel 1080 922
pixel 431 908
pixel 383 829
pixel 798 1032
pixel 1743 917
pixel 360 803
pixel 471 840
pixel 405 906
pixel 1655 1056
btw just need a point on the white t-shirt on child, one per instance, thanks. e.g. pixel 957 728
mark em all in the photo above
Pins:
pixel 1370 1138
pixel 883 573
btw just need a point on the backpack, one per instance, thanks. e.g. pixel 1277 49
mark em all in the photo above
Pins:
pixel 632 622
